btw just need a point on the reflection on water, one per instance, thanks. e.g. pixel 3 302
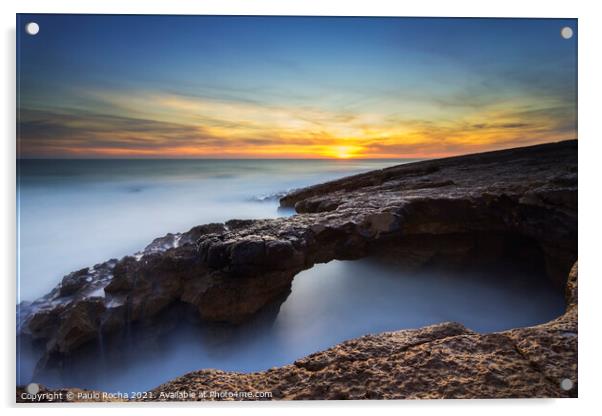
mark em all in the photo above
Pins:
pixel 328 304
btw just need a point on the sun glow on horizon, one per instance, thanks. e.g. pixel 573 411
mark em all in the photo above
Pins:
pixel 343 152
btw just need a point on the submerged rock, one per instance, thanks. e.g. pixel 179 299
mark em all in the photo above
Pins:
pixel 520 203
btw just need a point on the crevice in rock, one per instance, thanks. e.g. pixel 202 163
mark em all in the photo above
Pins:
pixel 553 383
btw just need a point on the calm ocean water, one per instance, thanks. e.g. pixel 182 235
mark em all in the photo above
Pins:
pixel 76 213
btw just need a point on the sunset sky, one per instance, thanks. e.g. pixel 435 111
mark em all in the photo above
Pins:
pixel 291 87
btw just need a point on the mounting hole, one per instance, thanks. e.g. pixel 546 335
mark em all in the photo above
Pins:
pixel 32 28
pixel 566 384
pixel 566 32
pixel 32 388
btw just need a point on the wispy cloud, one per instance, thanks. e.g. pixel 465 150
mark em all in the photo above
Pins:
pixel 169 125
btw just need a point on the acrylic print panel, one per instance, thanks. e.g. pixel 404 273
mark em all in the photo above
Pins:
pixel 291 208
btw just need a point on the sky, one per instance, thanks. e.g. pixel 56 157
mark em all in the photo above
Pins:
pixel 92 86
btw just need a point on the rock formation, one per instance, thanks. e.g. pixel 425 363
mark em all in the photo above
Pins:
pixel 519 203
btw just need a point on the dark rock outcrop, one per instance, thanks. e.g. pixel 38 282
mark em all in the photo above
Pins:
pixel 520 201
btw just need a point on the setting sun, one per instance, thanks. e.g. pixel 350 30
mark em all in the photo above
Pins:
pixel 343 152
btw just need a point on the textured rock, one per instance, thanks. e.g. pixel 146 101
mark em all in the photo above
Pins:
pixel 460 209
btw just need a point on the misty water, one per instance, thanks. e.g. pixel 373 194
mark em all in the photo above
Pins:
pixel 79 213
pixel 76 213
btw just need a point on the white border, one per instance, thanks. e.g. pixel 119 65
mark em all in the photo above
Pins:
pixel 518 8
pixel 590 151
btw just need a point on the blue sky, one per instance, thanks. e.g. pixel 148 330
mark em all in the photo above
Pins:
pixel 225 86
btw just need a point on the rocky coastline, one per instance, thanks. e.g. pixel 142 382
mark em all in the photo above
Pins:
pixel 518 203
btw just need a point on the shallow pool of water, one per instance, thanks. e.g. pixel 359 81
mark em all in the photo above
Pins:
pixel 329 304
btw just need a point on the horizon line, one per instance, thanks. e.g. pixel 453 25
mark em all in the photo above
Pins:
pixel 224 158
pixel 417 158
